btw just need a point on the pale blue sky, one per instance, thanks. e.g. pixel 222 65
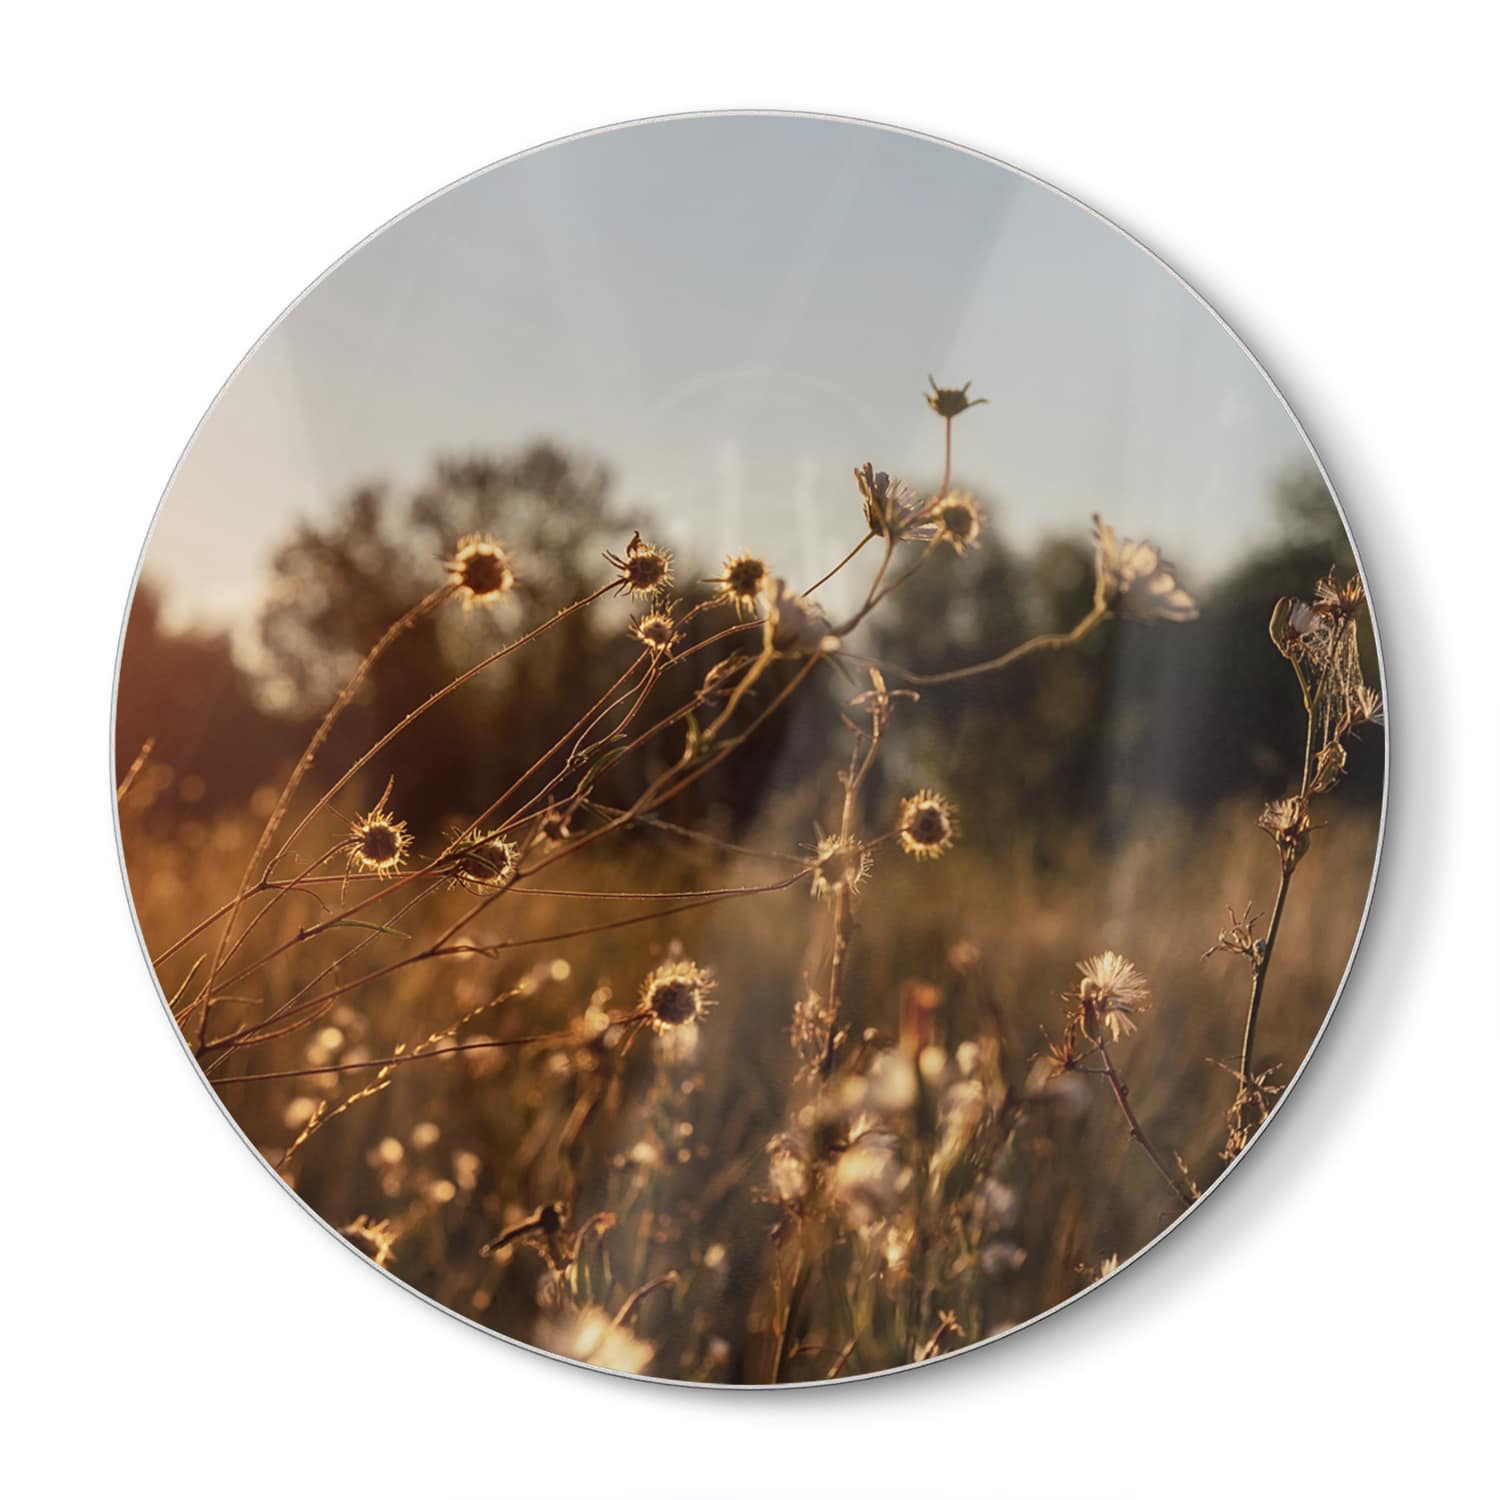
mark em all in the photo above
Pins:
pixel 732 312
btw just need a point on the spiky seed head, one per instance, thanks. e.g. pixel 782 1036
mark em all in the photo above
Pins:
pixel 643 569
pixel 657 632
pixel 838 864
pixel 676 993
pixel 481 570
pixel 958 521
pixel 928 825
pixel 377 842
pixel 1111 992
pixel 951 401
pixel 1338 601
pixel 890 507
pixel 742 581
pixel 482 861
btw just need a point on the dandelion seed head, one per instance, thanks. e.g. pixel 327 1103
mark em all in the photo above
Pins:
pixel 1133 579
pixel 481 570
pixel 591 1336
pixel 676 993
pixel 1111 992
pixel 928 825
pixel 838 864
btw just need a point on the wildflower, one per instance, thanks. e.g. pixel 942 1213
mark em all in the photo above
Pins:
pixel 742 581
pixel 373 1237
pixel 928 825
pixel 1061 1056
pixel 643 569
pixel 890 508
pixel 553 825
pixel 1239 938
pixel 793 626
pixel 591 1336
pixel 377 842
pixel 1338 601
pixel 481 861
pixel 1289 824
pixel 838 864
pixel 676 993
pixel 958 521
pixel 481 570
pixel 949 402
pixel 1132 578
pixel 1112 992
pixel 1368 707
pixel 657 632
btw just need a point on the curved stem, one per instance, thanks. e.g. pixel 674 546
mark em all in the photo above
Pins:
pixel 1137 1132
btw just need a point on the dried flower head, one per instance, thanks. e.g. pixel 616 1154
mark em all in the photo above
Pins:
pixel 1329 767
pixel 1112 992
pixel 951 401
pixel 891 510
pixel 742 581
pixel 1132 578
pixel 481 570
pixel 543 1229
pixel 1239 938
pixel 838 864
pixel 793 626
pixel 553 825
pixel 1338 601
pixel 643 569
pixel 1289 824
pixel 958 521
pixel 657 632
pixel 1062 1056
pixel 676 993
pixel 377 842
pixel 480 861
pixel 928 826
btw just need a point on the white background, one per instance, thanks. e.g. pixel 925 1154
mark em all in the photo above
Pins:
pixel 176 174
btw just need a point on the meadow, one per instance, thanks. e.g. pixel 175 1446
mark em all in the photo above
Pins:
pixel 767 994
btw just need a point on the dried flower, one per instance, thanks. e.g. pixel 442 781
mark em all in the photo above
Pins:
pixel 676 993
pixel 950 401
pixel 928 825
pixel 1132 578
pixel 643 569
pixel 1289 823
pixel 481 570
pixel 1332 759
pixel 544 1229
pixel 1061 1056
pixel 481 861
pixel 838 864
pixel 890 508
pixel 1338 601
pixel 958 521
pixel 377 842
pixel 742 581
pixel 657 632
pixel 793 626
pixel 1239 938
pixel 1112 992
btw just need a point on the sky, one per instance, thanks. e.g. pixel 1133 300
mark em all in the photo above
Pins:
pixel 732 312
